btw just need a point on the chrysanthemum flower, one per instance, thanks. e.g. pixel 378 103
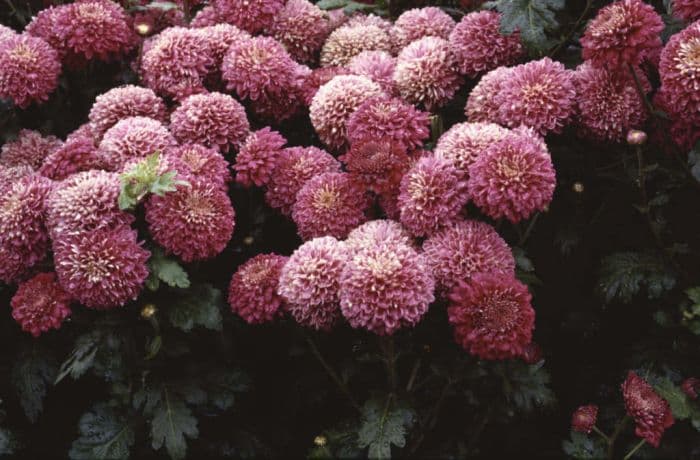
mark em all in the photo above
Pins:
pixel 688 10
pixel 650 412
pixel 609 103
pixel 348 41
pixel 482 105
pixel 74 156
pixel 251 16
pixel 23 237
pixel 377 165
pixel 417 23
pixel 513 177
pixel 103 268
pixel 464 142
pixel 431 196
pixel 374 232
pixel 331 203
pixel 221 37
pixel 153 20
pixel 258 156
pixel 385 287
pixel 85 131
pixel 335 102
pixel 361 19
pixel 426 73
pixel 124 102
pixel 6 32
pixel 623 33
pixel 207 16
pixel 9 175
pixel 252 292
pixel 378 66
pixel 133 137
pixel 176 62
pixel 691 387
pixel 336 18
pixel 492 316
pixel 584 418
pixel 317 78
pixel 679 68
pixel 29 69
pixel 40 304
pixel 295 166
pixel 540 94
pixel 479 46
pixel 193 160
pixel 43 25
pixel 195 222
pixel 213 119
pixel 30 148
pixel 456 253
pixel 301 27
pixel 310 280
pixel 683 132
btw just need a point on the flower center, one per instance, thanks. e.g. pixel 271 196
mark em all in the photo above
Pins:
pixel 193 160
pixel 497 313
pixel 689 57
pixel 23 53
pixel 199 209
pixel 256 273
pixel 326 198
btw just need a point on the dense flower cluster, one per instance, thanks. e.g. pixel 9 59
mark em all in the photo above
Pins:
pixel 650 412
pixel 253 289
pixel 124 102
pixel 30 148
pixel 133 137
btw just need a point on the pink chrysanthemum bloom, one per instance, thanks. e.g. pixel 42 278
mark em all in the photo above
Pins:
pixel 348 41
pixel 23 237
pixel 385 287
pixel 361 19
pixel 124 102
pixel 332 204
pixel 75 155
pixel 688 10
pixel 540 94
pixel 336 18
pixel 251 16
pixel 650 412
pixel 95 29
pixel 691 387
pixel 317 78
pixel 431 196
pixel 681 129
pixel 40 304
pixel 252 292
pixel 391 119
pixel 195 222
pixel 426 73
pixel 623 33
pixel 85 201
pixel 479 46
pixel 310 280
pixel 374 232
pixel 513 178
pixel 85 131
pixel 221 37
pixel 258 156
pixel 456 253
pixel 679 68
pixel 207 16
pixel 43 25
pixel 103 268
pixel 153 20
pixel 464 142
pixel 29 69
pixel 378 66
pixel 492 316
pixel 133 137
pixel 301 27
pixel 6 32
pixel 335 102
pixel 213 119
pixel 609 104
pixel 378 165
pixel 30 148
pixel 294 167
pixel 584 418
pixel 9 175
pixel 200 162
pixel 482 105
pixel 417 23
pixel 176 62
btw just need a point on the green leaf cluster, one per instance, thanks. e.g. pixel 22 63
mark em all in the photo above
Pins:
pixel 143 178
pixel 623 275
pixel 535 19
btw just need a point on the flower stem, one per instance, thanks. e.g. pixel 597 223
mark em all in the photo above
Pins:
pixel 611 441
pixel 387 345
pixel 634 449
pixel 602 435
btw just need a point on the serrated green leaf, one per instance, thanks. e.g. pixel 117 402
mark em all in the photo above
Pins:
pixel 172 424
pixel 103 435
pixel 31 375
pixel 223 386
pixel 143 178
pixel 679 401
pixel 527 386
pixel 81 358
pixel 168 270
pixel 8 442
pixel 353 7
pixel 383 426
pixel 200 306
pixel 584 447
pixel 535 19
pixel 624 274
pixel 331 4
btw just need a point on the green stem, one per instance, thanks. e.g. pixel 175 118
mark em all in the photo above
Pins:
pixel 528 230
pixel 634 449
pixel 413 375
pixel 476 434
pixel 431 419
pixel 602 435
pixel 611 441
pixel 390 361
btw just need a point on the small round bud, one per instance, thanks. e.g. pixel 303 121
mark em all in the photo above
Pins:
pixel 636 137
pixel 578 187
pixel 320 441
pixel 248 240
pixel 148 311
pixel 142 28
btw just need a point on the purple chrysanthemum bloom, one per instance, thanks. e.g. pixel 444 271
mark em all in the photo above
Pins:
pixel 124 102
pixel 251 16
pixel 199 162
pixel 30 148
pixel 464 142
pixel 679 68
pixel 482 105
pixel 348 41
pixel 40 304
pixel 257 158
pixel 378 66
pixel 301 27
pixel 252 292
pixel 133 137
pixel 381 231
pixel 29 69
pixel 417 23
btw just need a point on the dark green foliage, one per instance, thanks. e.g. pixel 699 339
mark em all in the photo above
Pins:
pixel 201 306
pixel 103 435
pixel 584 447
pixel 172 424
pixel 382 426
pixel 623 275
pixel 535 19
pixel 33 372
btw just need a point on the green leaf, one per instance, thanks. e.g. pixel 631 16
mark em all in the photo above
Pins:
pixel 331 4
pixel 200 306
pixel 172 423
pixel 223 386
pixel 168 270
pixel 31 376
pixel 679 401
pixel 103 435
pixel 163 6
pixel 624 274
pixel 8 442
pixel 81 358
pixel 527 386
pixel 383 426
pixel 535 19
pixel 584 447
pixel 143 178
pixel 694 162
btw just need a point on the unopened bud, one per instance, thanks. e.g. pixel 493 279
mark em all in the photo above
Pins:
pixel 320 441
pixel 636 137
pixel 143 28
pixel 578 187
pixel 148 311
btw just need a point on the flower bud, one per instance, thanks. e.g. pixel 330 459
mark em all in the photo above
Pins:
pixel 148 311
pixel 636 137
pixel 578 187
pixel 320 441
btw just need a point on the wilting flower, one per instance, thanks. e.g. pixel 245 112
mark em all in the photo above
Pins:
pixel 301 27
pixel 133 137
pixel 378 66
pixel 464 142
pixel 29 69
pixel 40 304
pixel 479 46
pixel 417 23
pixel 688 10
pixel 199 162
pixel 377 232
pixel 103 268
pixel 124 102
pixel 584 418
pixel 251 16
pixel 650 412
pixel 456 253
pixel 492 316
pixel 195 222
pixel 310 280
pixel 482 105
pixel 30 148
pixel 75 155
pixel 258 156
pixel 378 165
pixel 252 293
pixel 348 41
pixel 679 68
